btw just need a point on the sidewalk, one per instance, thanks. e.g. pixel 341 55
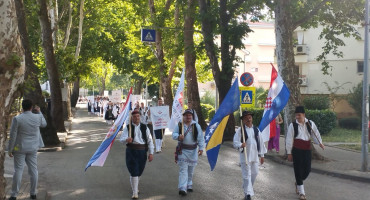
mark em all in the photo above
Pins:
pixel 341 163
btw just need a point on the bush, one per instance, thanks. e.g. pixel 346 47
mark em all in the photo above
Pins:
pixel 205 110
pixel 316 102
pixel 211 113
pixel 350 123
pixel 325 120
pixel 257 116
pixel 355 99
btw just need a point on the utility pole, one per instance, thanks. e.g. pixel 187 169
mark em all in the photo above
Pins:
pixel 365 95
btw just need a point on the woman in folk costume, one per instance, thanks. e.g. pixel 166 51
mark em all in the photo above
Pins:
pixel 115 111
pixel 274 141
pixel 298 146
pixel 109 113
pixel 138 140
pixel 190 137
pixel 255 150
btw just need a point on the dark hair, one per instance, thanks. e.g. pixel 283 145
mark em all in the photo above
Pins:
pixel 27 104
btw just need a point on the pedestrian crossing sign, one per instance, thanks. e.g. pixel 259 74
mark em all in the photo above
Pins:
pixel 247 97
pixel 147 35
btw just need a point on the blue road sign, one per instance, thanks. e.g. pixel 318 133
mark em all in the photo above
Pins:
pixel 147 35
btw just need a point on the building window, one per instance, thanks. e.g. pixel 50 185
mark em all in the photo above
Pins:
pixel 360 66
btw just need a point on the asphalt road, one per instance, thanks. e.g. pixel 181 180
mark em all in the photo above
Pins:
pixel 63 176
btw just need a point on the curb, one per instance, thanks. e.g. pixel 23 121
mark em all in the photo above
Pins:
pixel 321 171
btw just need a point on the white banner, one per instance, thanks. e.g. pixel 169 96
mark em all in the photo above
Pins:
pixel 136 99
pixel 116 96
pixel 160 116
pixel 177 104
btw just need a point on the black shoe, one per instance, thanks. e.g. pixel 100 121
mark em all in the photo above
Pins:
pixel 182 193
pixel 190 190
pixel 33 196
pixel 248 197
pixel 12 198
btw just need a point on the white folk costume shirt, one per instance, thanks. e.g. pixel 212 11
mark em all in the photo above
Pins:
pixel 303 134
pixel 251 145
pixel 138 137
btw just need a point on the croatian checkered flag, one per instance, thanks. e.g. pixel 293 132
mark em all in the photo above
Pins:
pixel 277 98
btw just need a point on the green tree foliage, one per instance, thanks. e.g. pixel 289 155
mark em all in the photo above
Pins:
pixel 208 98
pixel 317 102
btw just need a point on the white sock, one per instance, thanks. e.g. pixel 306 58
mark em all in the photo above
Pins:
pixel 301 189
pixel 135 185
pixel 157 144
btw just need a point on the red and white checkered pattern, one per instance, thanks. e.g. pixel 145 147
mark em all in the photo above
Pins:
pixel 268 103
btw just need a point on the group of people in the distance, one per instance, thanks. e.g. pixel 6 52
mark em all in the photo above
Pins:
pixel 190 138
pixel 25 140
pixel 102 107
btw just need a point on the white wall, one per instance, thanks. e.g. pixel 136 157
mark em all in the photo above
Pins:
pixel 344 69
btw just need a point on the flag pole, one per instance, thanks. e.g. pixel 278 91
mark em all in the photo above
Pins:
pixel 129 127
pixel 183 104
pixel 243 136
pixel 162 138
pixel 314 133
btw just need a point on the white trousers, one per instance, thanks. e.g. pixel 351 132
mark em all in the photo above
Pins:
pixel 30 159
pixel 249 173
pixel 185 176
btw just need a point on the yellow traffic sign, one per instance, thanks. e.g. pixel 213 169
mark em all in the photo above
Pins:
pixel 247 97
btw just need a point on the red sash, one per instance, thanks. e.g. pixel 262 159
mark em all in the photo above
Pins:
pixel 302 144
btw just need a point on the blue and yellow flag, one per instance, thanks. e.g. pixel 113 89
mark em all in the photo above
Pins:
pixel 215 130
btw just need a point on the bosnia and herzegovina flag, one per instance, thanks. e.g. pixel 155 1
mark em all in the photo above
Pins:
pixel 277 98
pixel 215 130
pixel 101 154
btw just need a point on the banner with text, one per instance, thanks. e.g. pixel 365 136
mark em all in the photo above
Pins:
pixel 160 116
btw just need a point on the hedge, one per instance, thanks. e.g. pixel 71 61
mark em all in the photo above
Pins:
pixel 350 123
pixel 325 120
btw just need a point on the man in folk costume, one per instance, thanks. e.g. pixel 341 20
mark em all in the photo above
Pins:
pixel 298 146
pixel 138 141
pixel 159 133
pixel 255 152
pixel 190 136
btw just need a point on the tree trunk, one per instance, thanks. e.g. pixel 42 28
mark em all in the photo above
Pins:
pixel 79 42
pixel 165 81
pixel 223 79
pixel 138 86
pixel 102 88
pixel 286 63
pixel 190 58
pixel 32 89
pixel 11 74
pixel 285 58
pixel 75 92
pixel 69 25
pixel 52 69
pixel 67 104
